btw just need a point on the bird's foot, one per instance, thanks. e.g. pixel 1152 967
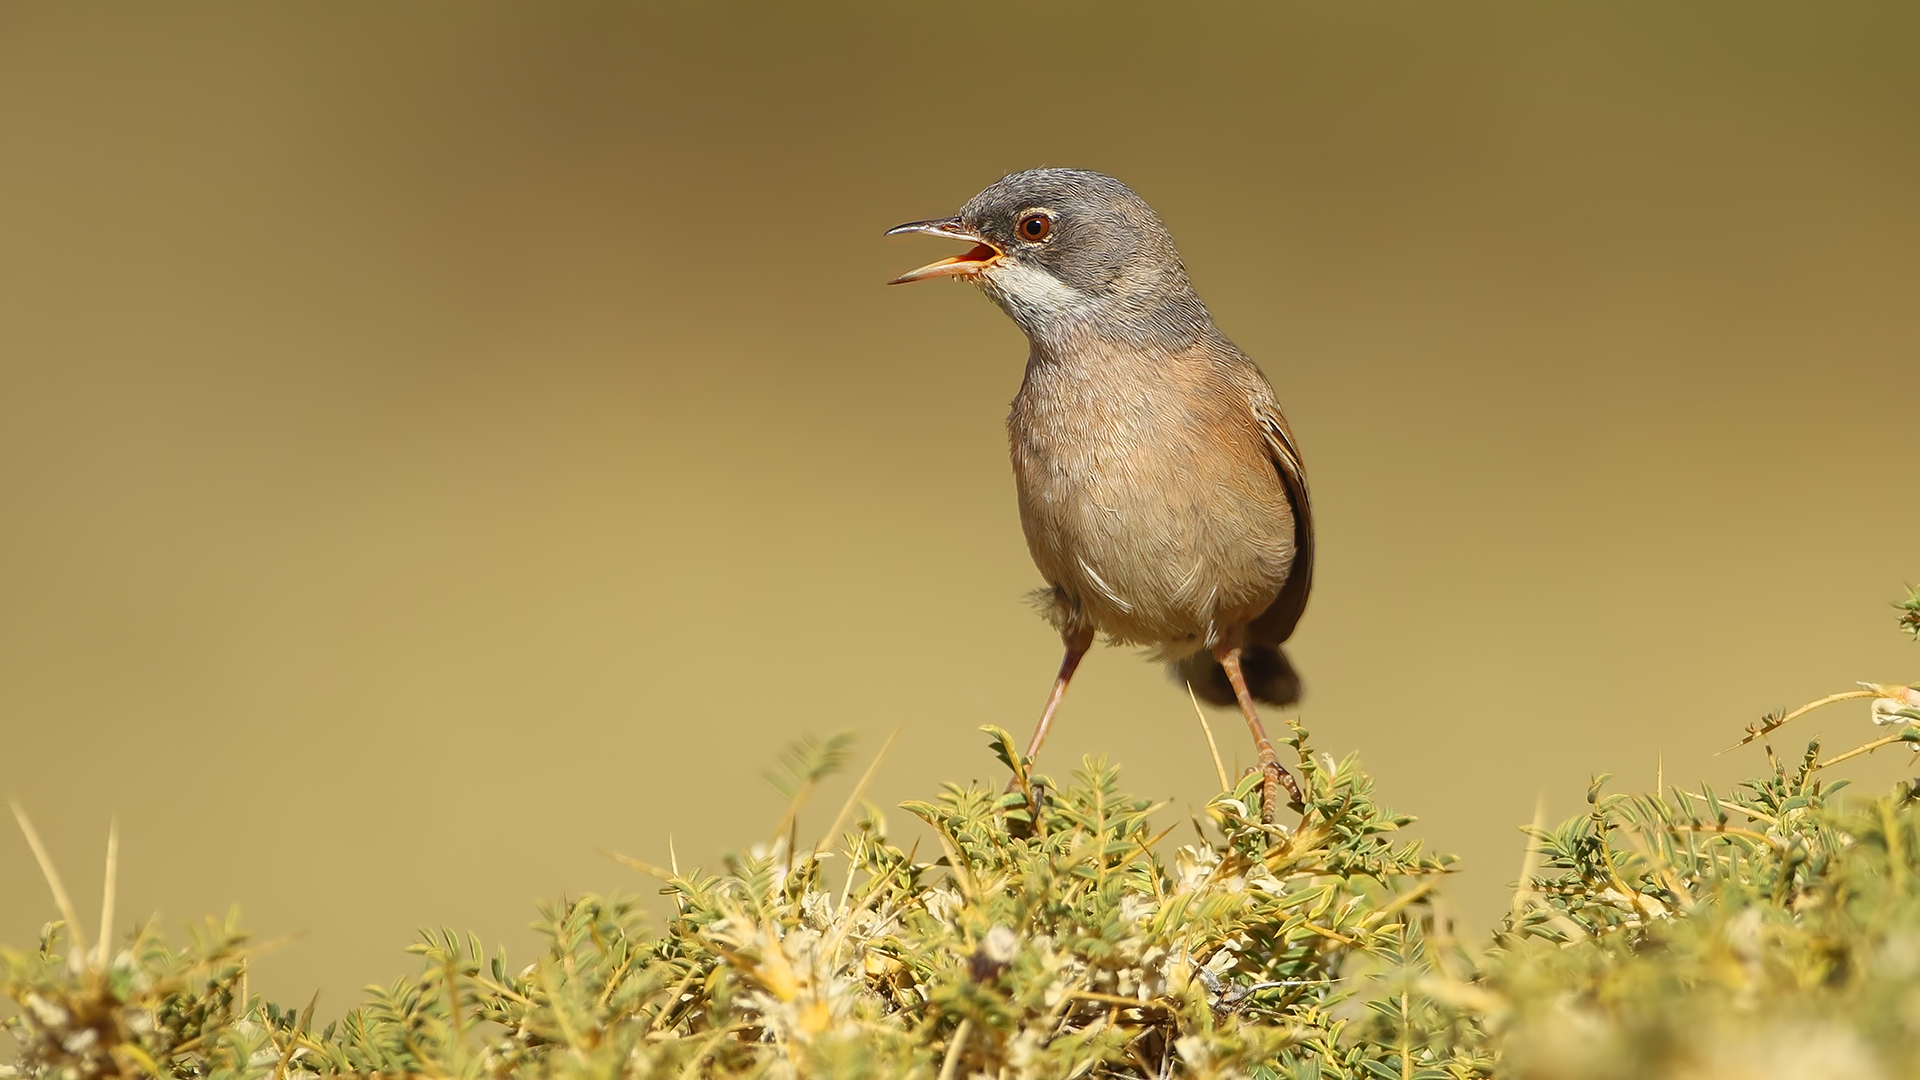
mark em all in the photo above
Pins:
pixel 1036 793
pixel 1278 777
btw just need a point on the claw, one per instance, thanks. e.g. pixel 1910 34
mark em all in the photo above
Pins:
pixel 1276 778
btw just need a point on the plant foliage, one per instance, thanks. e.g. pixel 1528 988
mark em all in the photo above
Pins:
pixel 1771 930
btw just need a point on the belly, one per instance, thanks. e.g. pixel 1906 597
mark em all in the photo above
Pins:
pixel 1152 525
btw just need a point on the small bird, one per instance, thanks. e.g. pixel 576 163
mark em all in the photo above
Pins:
pixel 1160 489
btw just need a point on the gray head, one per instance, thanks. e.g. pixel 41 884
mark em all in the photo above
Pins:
pixel 1066 251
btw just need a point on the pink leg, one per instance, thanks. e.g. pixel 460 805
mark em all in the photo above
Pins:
pixel 1269 760
pixel 1078 642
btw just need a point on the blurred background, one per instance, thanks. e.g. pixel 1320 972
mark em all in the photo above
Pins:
pixel 441 441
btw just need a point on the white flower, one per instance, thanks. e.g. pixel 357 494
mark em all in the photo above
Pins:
pixel 48 1013
pixel 1886 708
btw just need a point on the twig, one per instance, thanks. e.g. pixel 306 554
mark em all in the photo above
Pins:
pixel 60 898
pixel 293 1038
pixel 1524 897
pixel 1876 744
pixel 962 876
pixel 1117 1000
pixel 673 999
pixel 140 1058
pixel 1326 933
pixel 1530 859
pixel 952 1062
pixel 1768 727
pixel 859 792
pixel 845 929
pixel 1729 831
pixel 1757 815
pixel 1662 868
pixel 1212 747
pixel 107 897
pixel 644 867
pixel 1401 901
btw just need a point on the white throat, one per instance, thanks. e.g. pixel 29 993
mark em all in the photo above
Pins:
pixel 1033 297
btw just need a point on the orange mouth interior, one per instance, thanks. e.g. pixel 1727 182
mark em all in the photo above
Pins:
pixel 980 254
pixel 973 262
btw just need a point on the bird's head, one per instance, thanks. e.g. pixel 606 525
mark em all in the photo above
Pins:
pixel 1066 251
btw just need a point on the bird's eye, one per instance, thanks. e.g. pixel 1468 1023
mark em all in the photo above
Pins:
pixel 1035 226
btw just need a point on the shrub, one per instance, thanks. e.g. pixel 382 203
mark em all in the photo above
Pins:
pixel 1773 930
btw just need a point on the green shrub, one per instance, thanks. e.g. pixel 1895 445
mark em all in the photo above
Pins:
pixel 1773 930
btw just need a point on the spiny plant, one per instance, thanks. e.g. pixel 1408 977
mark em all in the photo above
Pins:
pixel 1769 930
pixel 1072 941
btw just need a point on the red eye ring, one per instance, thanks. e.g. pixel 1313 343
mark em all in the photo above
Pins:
pixel 1035 227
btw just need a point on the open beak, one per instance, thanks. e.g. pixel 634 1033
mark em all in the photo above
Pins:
pixel 974 261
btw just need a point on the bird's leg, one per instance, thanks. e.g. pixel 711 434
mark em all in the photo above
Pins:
pixel 1078 642
pixel 1276 774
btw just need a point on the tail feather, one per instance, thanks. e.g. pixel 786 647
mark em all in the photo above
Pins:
pixel 1270 677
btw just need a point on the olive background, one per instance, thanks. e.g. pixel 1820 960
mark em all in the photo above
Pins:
pixel 441 441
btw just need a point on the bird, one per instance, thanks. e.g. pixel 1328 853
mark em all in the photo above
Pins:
pixel 1160 488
